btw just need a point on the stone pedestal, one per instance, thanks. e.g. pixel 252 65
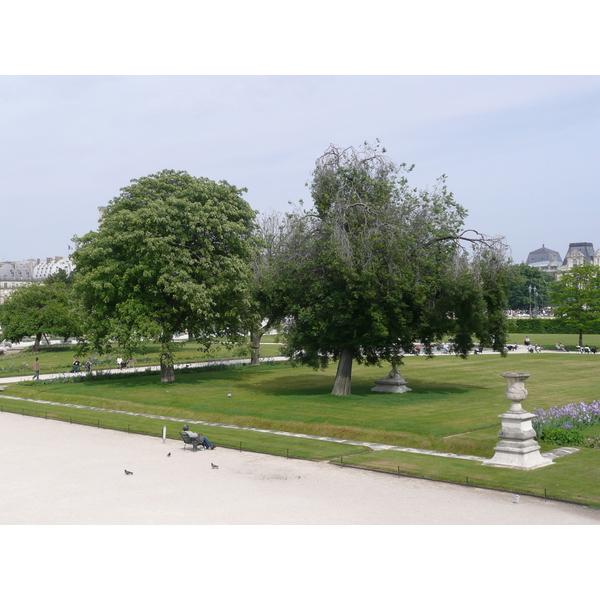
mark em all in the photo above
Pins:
pixel 392 384
pixel 517 448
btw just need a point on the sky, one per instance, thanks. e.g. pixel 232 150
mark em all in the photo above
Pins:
pixel 509 113
pixel 521 153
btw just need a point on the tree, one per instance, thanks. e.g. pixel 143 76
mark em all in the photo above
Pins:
pixel 376 266
pixel 576 298
pixel 266 308
pixel 40 309
pixel 171 255
pixel 522 281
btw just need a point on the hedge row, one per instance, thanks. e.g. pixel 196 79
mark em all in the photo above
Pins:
pixel 546 326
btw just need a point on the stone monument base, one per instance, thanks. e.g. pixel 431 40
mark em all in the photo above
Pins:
pixel 392 384
pixel 524 458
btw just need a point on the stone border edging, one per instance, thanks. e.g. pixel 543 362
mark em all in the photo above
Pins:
pixel 372 445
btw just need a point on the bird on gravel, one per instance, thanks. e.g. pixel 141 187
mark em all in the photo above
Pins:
pixel 128 472
pixel 214 466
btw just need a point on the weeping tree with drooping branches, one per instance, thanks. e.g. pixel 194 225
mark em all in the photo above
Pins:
pixel 376 266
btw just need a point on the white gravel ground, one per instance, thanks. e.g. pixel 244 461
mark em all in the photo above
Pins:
pixel 56 473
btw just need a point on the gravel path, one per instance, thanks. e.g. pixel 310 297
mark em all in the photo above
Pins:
pixel 53 472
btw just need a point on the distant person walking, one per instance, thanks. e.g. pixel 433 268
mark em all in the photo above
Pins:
pixel 36 369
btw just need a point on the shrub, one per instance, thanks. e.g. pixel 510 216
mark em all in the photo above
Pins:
pixel 553 326
pixel 563 437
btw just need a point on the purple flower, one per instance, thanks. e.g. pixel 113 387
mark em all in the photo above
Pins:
pixel 574 415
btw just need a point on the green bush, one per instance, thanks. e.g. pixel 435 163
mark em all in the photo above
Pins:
pixel 563 437
pixel 553 326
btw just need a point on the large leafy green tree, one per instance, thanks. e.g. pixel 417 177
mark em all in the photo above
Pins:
pixel 41 309
pixel 376 266
pixel 170 256
pixel 576 298
pixel 523 279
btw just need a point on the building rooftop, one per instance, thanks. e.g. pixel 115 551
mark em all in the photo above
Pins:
pixel 586 248
pixel 544 255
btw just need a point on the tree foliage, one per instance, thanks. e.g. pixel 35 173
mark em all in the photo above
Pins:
pixel 523 277
pixel 170 256
pixel 266 309
pixel 376 266
pixel 41 309
pixel 576 298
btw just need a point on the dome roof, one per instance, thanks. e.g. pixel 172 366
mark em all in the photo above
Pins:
pixel 586 248
pixel 544 255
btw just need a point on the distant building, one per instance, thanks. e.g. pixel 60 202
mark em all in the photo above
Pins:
pixel 17 274
pixel 544 259
pixel 579 253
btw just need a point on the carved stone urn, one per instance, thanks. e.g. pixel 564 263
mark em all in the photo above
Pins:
pixel 517 448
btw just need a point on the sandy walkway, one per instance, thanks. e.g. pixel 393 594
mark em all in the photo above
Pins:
pixel 56 473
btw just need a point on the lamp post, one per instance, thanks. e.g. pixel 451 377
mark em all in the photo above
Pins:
pixel 535 301
pixel 530 302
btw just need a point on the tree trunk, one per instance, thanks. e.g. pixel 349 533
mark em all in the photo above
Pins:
pixel 38 339
pixel 255 337
pixel 167 369
pixel 580 338
pixel 343 377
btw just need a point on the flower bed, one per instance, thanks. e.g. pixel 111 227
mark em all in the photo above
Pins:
pixel 566 425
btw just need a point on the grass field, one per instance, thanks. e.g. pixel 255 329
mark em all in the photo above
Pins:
pixel 59 357
pixel 549 340
pixel 454 407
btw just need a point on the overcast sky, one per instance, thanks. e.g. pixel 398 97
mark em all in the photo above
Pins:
pixel 88 103
pixel 521 152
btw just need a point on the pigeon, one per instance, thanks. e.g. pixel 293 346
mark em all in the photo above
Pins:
pixel 169 454
pixel 128 472
pixel 517 497
pixel 214 466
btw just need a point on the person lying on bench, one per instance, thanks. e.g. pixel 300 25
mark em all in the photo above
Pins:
pixel 198 439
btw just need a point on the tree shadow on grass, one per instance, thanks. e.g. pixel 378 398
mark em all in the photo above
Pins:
pixel 291 383
pixel 319 385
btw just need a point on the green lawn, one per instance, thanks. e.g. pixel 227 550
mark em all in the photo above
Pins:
pixel 59 357
pixel 454 407
pixel 575 477
pixel 549 340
